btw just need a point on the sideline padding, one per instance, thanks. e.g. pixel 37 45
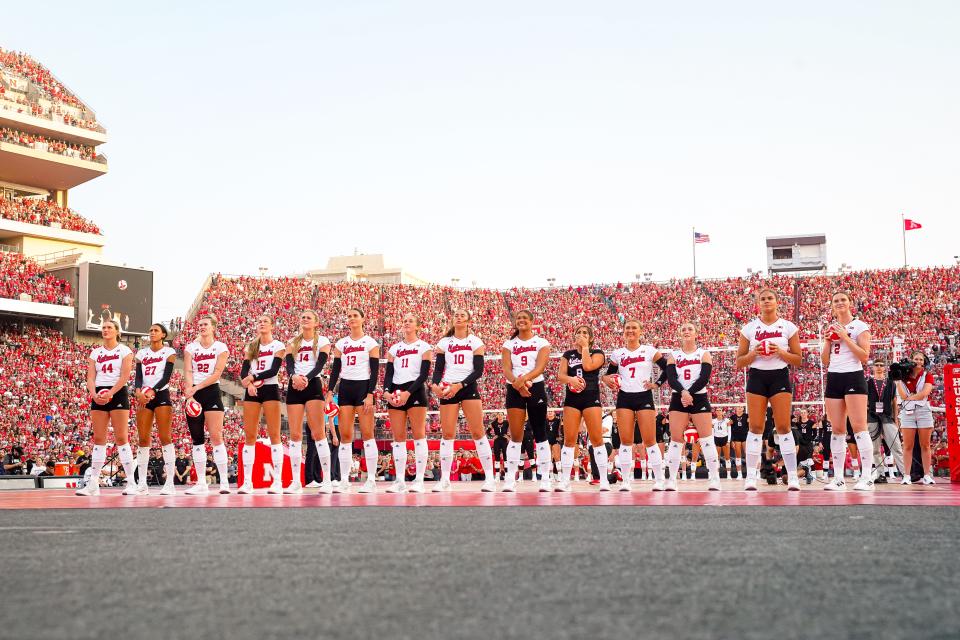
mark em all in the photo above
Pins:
pixel 14 483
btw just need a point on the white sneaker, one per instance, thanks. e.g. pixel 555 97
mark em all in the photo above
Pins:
pixel 245 488
pixel 658 485
pixel 326 487
pixel 906 480
pixel 143 490
pixel 837 484
pixel 131 489
pixel 224 488
pixel 341 487
pixel 563 486
pixel 670 484
pixel 443 486
pixel 398 486
pixel 276 487
pixel 604 485
pixel 546 486
pixel 91 489
pixel 313 484
pixel 749 484
pixel 793 484
pixel 168 489
pixel 928 479
pixel 199 489
pixel 369 486
pixel 713 484
pixel 864 484
pixel 626 486
pixel 509 485
pixel 295 488
pixel 416 487
pixel 489 486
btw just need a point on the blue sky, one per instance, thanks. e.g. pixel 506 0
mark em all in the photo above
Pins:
pixel 509 142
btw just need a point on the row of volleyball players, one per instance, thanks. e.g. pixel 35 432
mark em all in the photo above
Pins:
pixel 767 347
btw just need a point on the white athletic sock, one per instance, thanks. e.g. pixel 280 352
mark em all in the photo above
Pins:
pixel 788 451
pixel 838 449
pixel 126 459
pixel 370 456
pixel 296 456
pixel 655 462
pixel 345 458
pixel 400 458
pixel 200 462
pixel 220 459
pixel 544 461
pixel 420 452
pixel 169 461
pixel 97 457
pixel 602 459
pixel 625 462
pixel 143 459
pixel 673 459
pixel 485 453
pixel 513 460
pixel 566 463
pixel 323 453
pixel 753 446
pixel 865 449
pixel 712 460
pixel 446 459
pixel 249 454
pixel 276 457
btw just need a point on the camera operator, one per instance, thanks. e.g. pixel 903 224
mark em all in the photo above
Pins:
pixel 916 419
pixel 882 405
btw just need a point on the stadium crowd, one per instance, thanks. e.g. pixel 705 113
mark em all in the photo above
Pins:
pixel 50 145
pixel 45 213
pixel 20 275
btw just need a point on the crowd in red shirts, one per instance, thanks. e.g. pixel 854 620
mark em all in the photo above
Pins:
pixel 46 213
pixel 20 275
pixel 50 145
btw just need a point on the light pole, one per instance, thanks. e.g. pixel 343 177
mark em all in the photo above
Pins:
pixel 454 281
pixel 648 275
pixel 263 271
pixel 550 281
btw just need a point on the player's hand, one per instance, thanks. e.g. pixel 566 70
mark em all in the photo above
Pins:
pixel 252 390
pixel 401 397
pixel 650 385
pixel 686 399
pixel 368 404
pixel 299 382
pixel 519 384
pixel 246 381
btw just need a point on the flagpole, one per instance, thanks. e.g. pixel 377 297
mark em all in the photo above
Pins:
pixel 693 240
pixel 903 230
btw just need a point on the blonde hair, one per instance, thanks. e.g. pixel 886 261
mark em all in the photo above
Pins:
pixel 298 339
pixel 116 325
pixel 212 318
pixel 253 347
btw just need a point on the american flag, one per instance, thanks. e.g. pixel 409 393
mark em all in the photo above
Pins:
pixel 700 238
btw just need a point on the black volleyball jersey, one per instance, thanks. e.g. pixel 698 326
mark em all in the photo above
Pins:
pixel 575 369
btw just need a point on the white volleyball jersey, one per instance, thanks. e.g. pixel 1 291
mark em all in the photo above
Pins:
pixel 842 359
pixel 153 364
pixel 458 361
pixel 523 355
pixel 407 359
pixel 688 367
pixel 356 357
pixel 305 360
pixel 635 367
pixel 779 333
pixel 204 359
pixel 109 363
pixel 265 359
pixel 720 428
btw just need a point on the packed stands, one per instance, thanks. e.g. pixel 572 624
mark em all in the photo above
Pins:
pixel 45 213
pixel 50 145
pixel 21 276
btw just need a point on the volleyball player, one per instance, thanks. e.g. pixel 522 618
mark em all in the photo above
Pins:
pixel 262 360
pixel 204 360
pixel 845 395
pixel 305 357
pixel 108 370
pixel 580 372
pixel 630 374
pixel 768 346
pixel 721 437
pixel 356 366
pixel 688 371
pixel 459 365
pixel 154 368
pixel 524 356
pixel 408 367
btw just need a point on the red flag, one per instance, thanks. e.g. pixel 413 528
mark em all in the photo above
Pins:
pixel 910 225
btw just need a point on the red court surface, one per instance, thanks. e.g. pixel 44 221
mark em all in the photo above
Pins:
pixel 468 495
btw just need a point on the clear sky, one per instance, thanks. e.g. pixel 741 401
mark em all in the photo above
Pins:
pixel 508 142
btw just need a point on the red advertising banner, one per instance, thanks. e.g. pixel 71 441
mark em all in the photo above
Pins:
pixel 263 467
pixel 951 392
